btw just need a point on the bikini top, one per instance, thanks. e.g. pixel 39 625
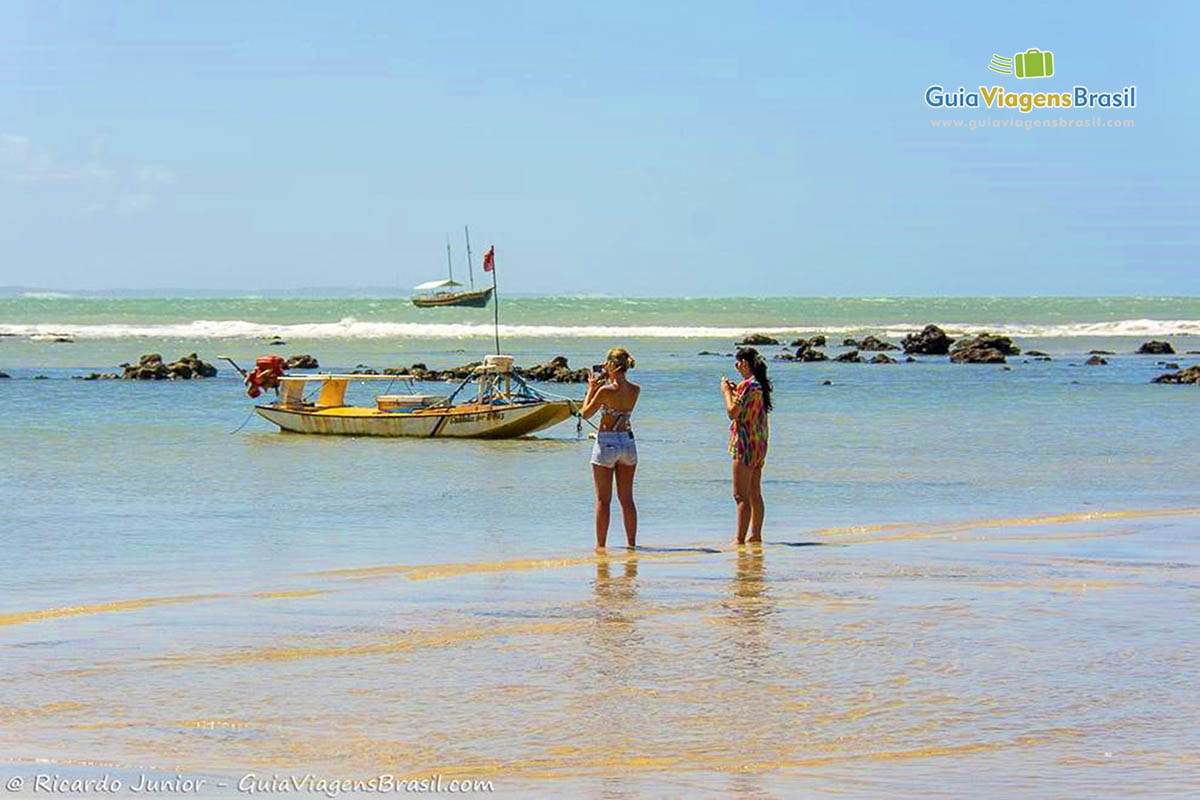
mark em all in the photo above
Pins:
pixel 621 418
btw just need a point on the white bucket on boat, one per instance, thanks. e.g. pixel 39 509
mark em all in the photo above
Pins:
pixel 498 363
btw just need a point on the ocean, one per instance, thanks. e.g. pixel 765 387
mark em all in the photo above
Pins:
pixel 974 576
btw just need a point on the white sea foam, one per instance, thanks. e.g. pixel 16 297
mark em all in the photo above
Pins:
pixel 350 328
pixel 46 295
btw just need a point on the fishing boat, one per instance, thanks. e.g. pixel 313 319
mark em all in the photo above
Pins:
pixel 494 402
pixel 438 294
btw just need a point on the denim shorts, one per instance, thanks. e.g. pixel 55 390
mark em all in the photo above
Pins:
pixel 614 447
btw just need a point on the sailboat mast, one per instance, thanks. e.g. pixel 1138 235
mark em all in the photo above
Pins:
pixel 470 269
pixel 449 263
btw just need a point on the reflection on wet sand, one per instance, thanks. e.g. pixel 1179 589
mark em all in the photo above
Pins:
pixel 749 608
pixel 612 658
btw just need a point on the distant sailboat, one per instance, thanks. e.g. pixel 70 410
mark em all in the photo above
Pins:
pixel 435 294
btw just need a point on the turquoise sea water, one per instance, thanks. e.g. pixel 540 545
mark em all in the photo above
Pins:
pixel 940 586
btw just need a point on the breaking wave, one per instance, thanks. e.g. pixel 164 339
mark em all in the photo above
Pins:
pixel 350 328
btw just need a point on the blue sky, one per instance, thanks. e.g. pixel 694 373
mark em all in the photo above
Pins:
pixel 690 148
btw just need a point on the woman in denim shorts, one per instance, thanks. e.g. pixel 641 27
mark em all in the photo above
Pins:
pixel 615 452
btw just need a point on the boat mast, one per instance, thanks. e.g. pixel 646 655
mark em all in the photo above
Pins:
pixel 470 269
pixel 449 263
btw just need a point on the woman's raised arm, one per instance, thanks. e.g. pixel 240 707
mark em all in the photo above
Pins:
pixel 732 409
pixel 592 399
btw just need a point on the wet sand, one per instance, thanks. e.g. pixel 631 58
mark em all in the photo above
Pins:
pixel 1048 655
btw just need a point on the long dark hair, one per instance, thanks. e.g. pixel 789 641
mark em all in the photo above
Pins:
pixel 759 368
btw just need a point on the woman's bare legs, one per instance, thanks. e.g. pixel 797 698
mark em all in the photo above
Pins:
pixel 625 496
pixel 602 477
pixel 756 505
pixel 741 496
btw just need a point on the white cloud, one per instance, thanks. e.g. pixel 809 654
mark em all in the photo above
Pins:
pixel 93 187
pixel 129 205
pixel 155 174
pixel 13 146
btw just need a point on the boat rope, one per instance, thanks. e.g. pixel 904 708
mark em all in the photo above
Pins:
pixel 575 411
pixel 239 427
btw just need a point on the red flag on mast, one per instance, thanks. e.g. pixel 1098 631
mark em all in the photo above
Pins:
pixel 489 259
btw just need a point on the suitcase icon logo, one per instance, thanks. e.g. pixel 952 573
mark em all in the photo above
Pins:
pixel 1033 63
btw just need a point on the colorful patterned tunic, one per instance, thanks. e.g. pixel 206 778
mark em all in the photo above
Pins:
pixel 749 431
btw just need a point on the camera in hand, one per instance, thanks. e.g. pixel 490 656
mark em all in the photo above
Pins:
pixel 598 370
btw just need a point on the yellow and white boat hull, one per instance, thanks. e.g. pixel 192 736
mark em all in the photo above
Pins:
pixel 462 422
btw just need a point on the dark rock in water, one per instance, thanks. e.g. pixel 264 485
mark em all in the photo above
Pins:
pixel 931 341
pixel 850 343
pixel 276 342
pixel 1101 353
pixel 1190 375
pixel 150 367
pixel 556 371
pixel 97 376
pixel 1169 365
pixel 1193 352
pixel 1034 353
pixel 881 358
pixel 190 366
pixel 1006 369
pixel 876 344
pixel 849 358
pixel 41 377
pixel 827 383
pixel 1095 361
pixel 63 339
pixel 363 369
pixel 807 354
pixel 988 341
pixel 707 353
pixel 785 355
pixel 303 361
pixel 1043 358
pixel 757 338
pixel 816 341
pixel 910 360
pixel 977 355
pixel 4 375
pixel 984 348
pixel 1155 348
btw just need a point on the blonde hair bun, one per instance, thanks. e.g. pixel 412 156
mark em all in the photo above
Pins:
pixel 619 357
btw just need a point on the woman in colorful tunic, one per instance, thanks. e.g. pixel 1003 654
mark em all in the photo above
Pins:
pixel 747 404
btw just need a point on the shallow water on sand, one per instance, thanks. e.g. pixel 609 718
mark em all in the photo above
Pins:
pixel 1021 655
pixel 973 577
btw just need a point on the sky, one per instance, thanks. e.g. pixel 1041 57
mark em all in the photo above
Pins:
pixel 615 148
